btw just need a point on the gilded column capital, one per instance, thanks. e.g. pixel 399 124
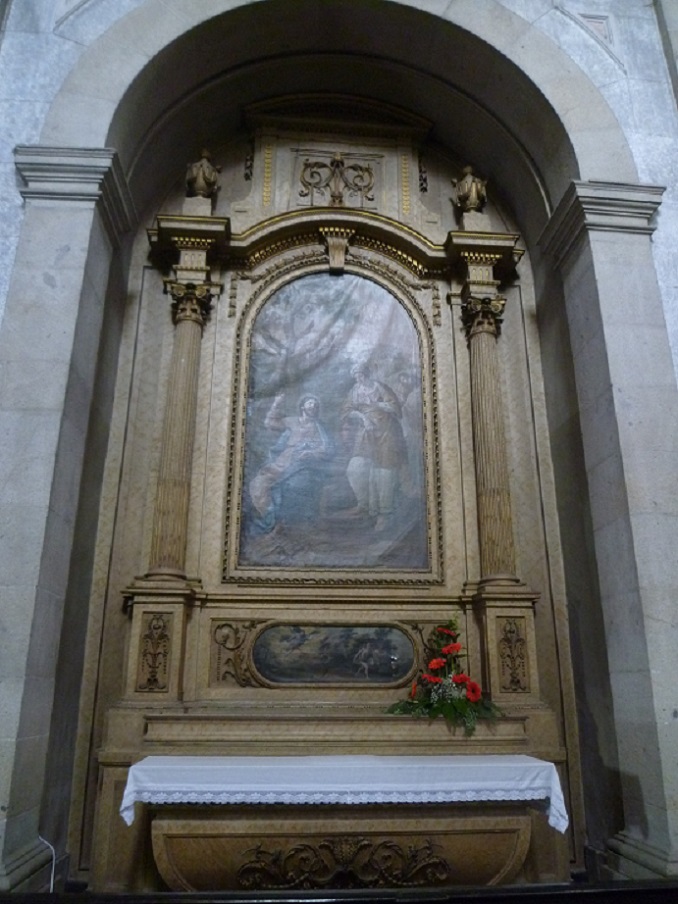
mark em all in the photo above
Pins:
pixel 482 314
pixel 189 244
pixel 191 302
pixel 484 261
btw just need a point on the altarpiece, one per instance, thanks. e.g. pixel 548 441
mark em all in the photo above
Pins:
pixel 334 443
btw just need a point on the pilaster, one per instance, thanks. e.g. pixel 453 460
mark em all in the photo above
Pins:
pixel 77 208
pixel 599 237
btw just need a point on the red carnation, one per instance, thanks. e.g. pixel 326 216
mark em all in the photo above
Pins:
pixel 437 664
pixel 442 630
pixel 473 691
pixel 460 678
pixel 413 691
pixel 451 648
pixel 432 679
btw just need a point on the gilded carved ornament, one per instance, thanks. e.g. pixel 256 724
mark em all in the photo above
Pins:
pixel 337 239
pixel 191 302
pixel 350 861
pixel 154 653
pixel 335 180
pixel 482 314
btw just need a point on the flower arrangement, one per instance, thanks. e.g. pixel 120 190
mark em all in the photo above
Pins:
pixel 444 689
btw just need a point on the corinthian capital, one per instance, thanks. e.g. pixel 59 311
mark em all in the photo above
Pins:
pixel 482 314
pixel 191 302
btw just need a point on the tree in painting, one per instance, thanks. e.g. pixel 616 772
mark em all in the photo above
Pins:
pixel 333 474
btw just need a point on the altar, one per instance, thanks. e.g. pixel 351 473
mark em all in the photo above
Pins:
pixel 331 822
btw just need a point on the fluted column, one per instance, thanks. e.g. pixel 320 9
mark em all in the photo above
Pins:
pixel 484 259
pixel 504 605
pixel 189 246
pixel 482 318
pixel 190 309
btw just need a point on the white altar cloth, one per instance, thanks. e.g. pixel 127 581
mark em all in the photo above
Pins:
pixel 343 780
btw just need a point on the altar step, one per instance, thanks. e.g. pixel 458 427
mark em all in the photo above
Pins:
pixel 645 892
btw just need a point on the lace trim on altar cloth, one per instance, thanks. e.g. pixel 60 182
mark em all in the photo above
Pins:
pixel 226 781
pixel 556 819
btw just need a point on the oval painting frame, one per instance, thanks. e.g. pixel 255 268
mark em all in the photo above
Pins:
pixel 312 654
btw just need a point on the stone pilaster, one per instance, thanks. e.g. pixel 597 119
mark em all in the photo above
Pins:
pixel 77 210
pixel 599 237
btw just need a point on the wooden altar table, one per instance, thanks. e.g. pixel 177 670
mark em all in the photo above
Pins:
pixel 254 823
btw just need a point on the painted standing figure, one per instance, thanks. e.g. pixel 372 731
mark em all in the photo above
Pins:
pixel 379 450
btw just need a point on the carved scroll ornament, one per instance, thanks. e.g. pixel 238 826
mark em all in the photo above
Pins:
pixel 154 653
pixel 513 657
pixel 345 862
pixel 334 180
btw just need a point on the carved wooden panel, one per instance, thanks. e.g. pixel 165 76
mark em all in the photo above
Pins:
pixel 513 655
pixel 315 847
pixel 155 648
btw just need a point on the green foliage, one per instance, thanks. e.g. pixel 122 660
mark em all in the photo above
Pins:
pixel 445 690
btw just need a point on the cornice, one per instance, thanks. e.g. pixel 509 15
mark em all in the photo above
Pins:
pixel 75 175
pixel 277 234
pixel 599 207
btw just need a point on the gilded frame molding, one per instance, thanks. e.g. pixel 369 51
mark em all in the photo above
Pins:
pixel 403 263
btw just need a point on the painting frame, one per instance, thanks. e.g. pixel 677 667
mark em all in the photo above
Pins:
pixel 238 567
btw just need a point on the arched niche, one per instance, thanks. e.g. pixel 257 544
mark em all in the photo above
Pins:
pixel 533 158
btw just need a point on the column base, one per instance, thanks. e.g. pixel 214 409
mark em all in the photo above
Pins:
pixel 631 858
pixel 27 870
pixel 165 574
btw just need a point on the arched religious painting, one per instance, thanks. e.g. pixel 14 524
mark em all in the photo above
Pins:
pixel 334 434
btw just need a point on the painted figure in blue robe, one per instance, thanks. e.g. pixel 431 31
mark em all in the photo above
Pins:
pixel 287 489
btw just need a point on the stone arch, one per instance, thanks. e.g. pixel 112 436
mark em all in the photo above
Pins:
pixel 481 72
pixel 112 99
